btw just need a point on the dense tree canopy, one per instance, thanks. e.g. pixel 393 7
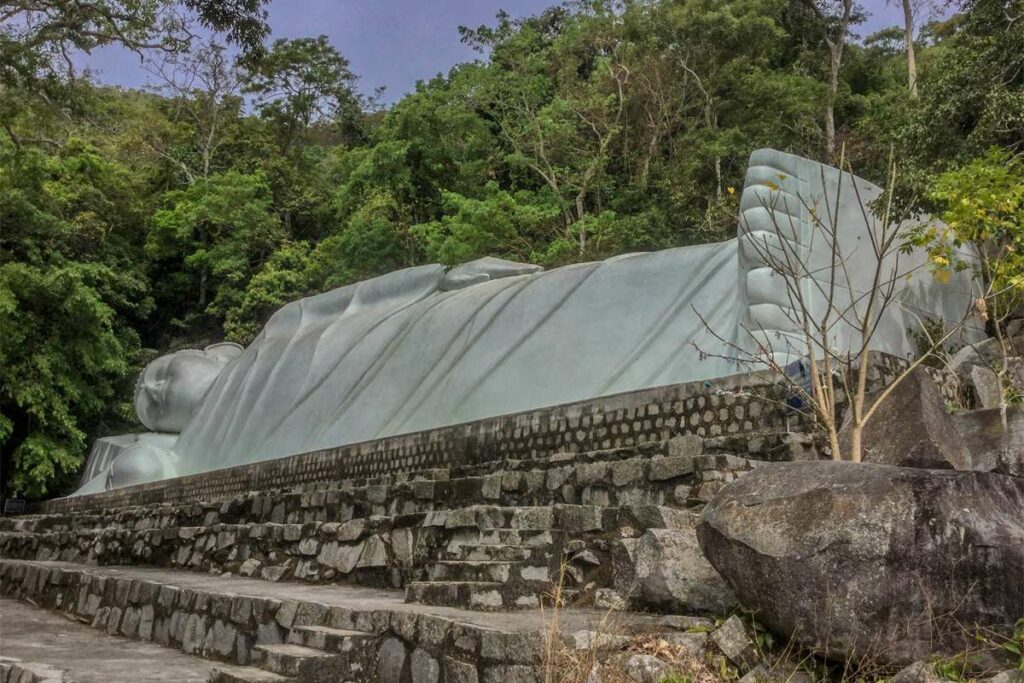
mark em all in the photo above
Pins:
pixel 132 222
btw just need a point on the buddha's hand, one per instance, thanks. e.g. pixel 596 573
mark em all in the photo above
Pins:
pixel 483 270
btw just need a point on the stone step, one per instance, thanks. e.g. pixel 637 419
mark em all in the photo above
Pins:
pixel 497 553
pixel 245 674
pixel 288 659
pixel 382 551
pixel 534 538
pixel 475 595
pixel 328 639
pixel 489 571
pixel 232 623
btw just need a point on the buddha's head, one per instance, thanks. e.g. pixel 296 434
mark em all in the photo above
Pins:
pixel 170 388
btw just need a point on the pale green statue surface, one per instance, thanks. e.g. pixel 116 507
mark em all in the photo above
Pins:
pixel 423 348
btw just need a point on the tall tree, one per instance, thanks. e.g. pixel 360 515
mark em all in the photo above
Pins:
pixel 908 40
pixel 72 293
pixel 300 82
pixel 223 229
pixel 38 37
pixel 835 18
pixel 202 89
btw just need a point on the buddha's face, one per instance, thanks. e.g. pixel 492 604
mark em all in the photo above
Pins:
pixel 171 387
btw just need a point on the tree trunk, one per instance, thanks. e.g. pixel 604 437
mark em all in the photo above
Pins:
pixel 579 219
pixel 835 53
pixel 203 286
pixel 204 275
pixel 855 441
pixel 835 63
pixel 718 178
pixel 908 37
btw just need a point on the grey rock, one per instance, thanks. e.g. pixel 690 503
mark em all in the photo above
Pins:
pixel 517 646
pixel 391 662
pixel 403 545
pixel 993 446
pixel 195 634
pixel 250 567
pixel 669 573
pixel 693 644
pixel 918 672
pixel 984 352
pixel 1013 676
pixel 146 622
pixel 352 530
pixel 424 668
pixel 662 469
pixel 269 633
pixel 844 556
pixel 646 669
pixel 459 672
pixel 735 643
pixel 608 599
pixel 309 546
pixel 983 384
pixel 221 639
pixel 911 428
pixel 687 445
pixel 375 553
pixel 516 673
pixel 286 613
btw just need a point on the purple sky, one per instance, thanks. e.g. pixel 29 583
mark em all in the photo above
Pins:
pixel 393 43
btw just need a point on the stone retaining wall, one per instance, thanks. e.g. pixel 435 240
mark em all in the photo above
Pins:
pixel 387 530
pixel 733 405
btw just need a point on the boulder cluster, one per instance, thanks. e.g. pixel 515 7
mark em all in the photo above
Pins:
pixel 916 552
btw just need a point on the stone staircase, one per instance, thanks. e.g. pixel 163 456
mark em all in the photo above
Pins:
pixel 371 579
pixel 260 631
pixel 493 536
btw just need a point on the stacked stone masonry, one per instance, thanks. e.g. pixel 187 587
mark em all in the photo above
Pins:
pixel 490 537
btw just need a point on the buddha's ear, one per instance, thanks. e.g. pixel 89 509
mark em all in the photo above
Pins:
pixel 225 351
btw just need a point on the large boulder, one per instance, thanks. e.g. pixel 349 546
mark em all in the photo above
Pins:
pixel 911 428
pixel 665 570
pixel 869 560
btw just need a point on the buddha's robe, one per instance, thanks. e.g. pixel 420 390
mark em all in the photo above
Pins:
pixel 396 354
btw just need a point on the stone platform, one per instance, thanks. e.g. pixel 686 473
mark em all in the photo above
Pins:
pixel 304 632
pixel 54 649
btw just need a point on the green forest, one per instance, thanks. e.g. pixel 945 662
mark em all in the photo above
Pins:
pixel 254 172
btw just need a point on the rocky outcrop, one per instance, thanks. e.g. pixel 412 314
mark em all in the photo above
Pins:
pixel 871 560
pixel 911 428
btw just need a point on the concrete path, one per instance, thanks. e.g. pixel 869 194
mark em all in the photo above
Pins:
pixel 85 655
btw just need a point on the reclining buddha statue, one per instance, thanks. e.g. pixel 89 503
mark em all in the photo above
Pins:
pixel 423 347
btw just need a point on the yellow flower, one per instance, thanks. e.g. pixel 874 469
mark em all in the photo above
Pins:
pixel 731 190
